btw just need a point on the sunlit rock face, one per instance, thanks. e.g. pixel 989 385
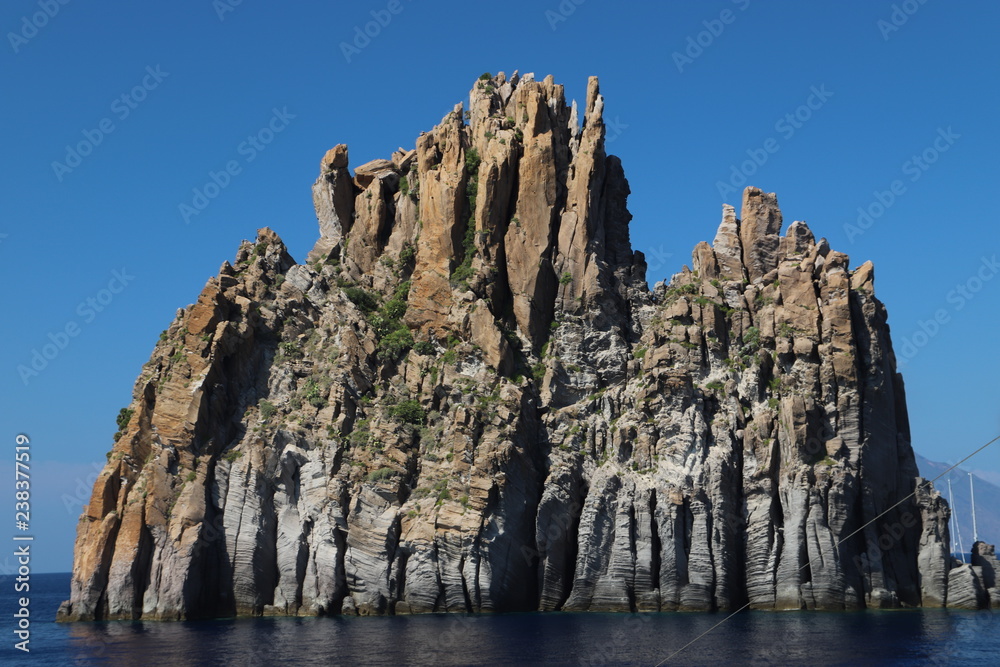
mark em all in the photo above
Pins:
pixel 469 400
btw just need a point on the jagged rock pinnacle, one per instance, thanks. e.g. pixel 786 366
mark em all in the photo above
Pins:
pixel 468 400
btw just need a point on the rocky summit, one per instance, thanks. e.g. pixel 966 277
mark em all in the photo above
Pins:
pixel 468 400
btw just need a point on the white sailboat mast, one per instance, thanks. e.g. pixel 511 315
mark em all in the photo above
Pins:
pixel 975 529
pixel 956 539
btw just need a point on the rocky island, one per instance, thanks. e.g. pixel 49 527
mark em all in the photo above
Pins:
pixel 467 399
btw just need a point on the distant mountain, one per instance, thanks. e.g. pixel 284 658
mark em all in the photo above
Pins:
pixel 990 476
pixel 987 501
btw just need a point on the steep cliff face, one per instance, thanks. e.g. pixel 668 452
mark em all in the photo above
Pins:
pixel 468 400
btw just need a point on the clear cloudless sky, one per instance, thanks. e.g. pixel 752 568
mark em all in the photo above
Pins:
pixel 680 127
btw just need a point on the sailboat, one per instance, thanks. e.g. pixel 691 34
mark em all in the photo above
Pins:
pixel 957 546
pixel 957 549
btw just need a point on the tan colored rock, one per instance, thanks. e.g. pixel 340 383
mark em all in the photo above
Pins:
pixel 551 420
pixel 369 171
pixel 402 159
pixel 728 247
pixel 371 226
pixel 863 277
pixel 760 222
pixel 333 199
pixel 440 160
pixel 704 263
pixel 335 158
pixel 797 241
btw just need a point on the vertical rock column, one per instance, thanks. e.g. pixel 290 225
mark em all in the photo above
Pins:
pixel 333 198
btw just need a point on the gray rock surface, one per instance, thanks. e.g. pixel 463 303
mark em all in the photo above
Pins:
pixel 468 400
pixel 965 588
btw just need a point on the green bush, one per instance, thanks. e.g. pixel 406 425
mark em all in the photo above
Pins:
pixel 715 385
pixel 762 300
pixel 472 161
pixel 394 309
pixel 440 488
pixel 424 347
pixel 290 350
pixel 366 301
pixel 408 411
pixel 538 371
pixel 315 394
pixel 123 418
pixel 395 343
pixel 380 474
pixel 267 410
pixel 360 436
pixel 566 278
pixel 407 254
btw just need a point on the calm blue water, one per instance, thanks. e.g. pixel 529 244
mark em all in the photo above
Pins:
pixel 791 638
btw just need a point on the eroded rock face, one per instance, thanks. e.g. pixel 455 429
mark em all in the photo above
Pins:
pixel 984 559
pixel 468 400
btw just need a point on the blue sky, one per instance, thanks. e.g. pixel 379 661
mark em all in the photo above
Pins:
pixel 839 106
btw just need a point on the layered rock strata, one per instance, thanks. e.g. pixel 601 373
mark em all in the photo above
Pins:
pixel 468 400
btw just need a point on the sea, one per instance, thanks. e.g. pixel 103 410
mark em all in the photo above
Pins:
pixel 902 637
